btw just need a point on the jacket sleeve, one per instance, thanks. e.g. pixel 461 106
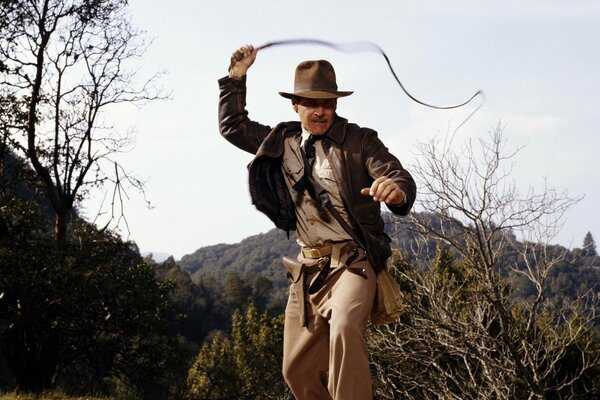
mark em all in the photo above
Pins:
pixel 234 124
pixel 380 162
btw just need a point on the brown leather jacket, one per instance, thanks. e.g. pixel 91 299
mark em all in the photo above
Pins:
pixel 357 157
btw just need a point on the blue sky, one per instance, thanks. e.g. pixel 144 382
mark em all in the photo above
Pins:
pixel 536 61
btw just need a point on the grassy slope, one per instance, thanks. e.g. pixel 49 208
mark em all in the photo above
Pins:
pixel 47 396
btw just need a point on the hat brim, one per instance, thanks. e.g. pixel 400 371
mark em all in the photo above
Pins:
pixel 316 94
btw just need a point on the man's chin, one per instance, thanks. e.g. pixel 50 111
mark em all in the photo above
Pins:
pixel 319 129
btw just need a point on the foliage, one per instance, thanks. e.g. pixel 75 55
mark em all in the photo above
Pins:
pixel 450 342
pixel 246 365
pixel 589 246
pixel 84 313
pixel 256 255
pixel 87 315
pixel 205 307
pixel 49 396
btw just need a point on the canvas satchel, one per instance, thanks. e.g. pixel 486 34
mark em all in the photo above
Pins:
pixel 388 300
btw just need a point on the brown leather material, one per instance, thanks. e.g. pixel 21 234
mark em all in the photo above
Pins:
pixel 361 271
pixel 334 250
pixel 299 272
pixel 296 273
pixel 316 252
pixel 293 267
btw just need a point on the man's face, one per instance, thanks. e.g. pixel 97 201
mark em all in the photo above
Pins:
pixel 316 115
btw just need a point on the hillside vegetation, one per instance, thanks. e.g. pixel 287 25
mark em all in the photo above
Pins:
pixel 260 255
pixel 49 396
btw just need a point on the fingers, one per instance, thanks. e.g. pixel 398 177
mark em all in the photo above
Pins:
pixel 241 60
pixel 238 55
pixel 243 52
pixel 377 188
pixel 386 190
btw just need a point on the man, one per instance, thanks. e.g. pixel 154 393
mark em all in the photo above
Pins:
pixel 325 178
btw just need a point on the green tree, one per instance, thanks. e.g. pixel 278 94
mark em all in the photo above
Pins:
pixel 84 315
pixel 246 365
pixel 236 292
pixel 589 245
pixel 262 290
pixel 213 374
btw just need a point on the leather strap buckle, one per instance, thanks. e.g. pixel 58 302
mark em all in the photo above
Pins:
pixel 317 252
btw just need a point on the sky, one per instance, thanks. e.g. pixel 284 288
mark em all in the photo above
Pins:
pixel 536 61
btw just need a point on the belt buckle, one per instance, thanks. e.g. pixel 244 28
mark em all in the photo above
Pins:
pixel 317 252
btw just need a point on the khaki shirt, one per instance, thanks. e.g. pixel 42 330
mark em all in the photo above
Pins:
pixel 315 227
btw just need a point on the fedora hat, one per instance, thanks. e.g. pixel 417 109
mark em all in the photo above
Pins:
pixel 315 79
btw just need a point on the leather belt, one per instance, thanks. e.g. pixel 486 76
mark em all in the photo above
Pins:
pixel 317 252
pixel 333 251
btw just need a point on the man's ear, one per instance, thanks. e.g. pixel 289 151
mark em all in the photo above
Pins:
pixel 295 104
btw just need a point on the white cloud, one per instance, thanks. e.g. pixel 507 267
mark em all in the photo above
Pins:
pixel 534 125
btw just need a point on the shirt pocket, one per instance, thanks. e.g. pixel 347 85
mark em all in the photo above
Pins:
pixel 323 171
pixel 292 168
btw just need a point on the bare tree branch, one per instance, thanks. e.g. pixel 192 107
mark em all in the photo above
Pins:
pixel 461 336
pixel 65 64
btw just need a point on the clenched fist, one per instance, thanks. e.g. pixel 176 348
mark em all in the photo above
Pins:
pixel 241 60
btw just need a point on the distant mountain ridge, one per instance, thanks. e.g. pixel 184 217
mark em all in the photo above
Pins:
pixel 256 255
pixel 157 256
pixel 260 255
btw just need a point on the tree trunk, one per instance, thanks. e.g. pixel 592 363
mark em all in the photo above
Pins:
pixel 61 225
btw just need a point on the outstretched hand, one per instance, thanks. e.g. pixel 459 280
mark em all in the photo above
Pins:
pixel 241 60
pixel 386 190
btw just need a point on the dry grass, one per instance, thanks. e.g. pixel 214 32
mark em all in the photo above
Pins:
pixel 47 396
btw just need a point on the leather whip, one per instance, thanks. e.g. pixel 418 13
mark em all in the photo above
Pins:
pixel 354 47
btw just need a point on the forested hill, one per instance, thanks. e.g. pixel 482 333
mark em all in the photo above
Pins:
pixel 260 255
pixel 256 255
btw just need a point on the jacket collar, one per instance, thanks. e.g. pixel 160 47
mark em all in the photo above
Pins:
pixel 337 132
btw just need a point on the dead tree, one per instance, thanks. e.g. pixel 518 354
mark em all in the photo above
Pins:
pixel 461 337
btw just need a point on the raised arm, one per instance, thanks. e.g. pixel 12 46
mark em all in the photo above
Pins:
pixel 234 124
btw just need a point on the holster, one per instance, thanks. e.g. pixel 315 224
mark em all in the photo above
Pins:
pixel 298 277
pixel 298 273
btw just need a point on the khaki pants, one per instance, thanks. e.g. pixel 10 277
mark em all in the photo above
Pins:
pixel 327 359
